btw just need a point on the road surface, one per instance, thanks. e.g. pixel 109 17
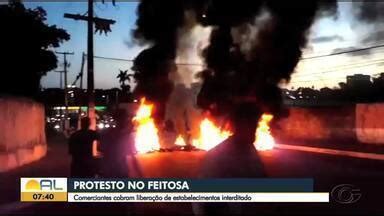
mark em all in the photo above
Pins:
pixel 328 171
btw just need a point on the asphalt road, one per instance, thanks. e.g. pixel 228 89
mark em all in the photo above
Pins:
pixel 327 171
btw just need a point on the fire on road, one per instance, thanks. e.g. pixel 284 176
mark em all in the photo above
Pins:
pixel 147 136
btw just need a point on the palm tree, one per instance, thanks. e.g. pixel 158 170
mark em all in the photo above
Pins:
pixel 123 76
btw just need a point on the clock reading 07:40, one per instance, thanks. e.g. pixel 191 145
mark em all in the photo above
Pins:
pixel 47 196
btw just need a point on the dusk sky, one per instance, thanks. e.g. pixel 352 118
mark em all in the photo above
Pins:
pixel 327 35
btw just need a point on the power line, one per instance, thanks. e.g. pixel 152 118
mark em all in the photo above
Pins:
pixel 354 63
pixel 101 25
pixel 65 71
pixel 333 78
pixel 317 80
pixel 201 65
pixel 339 69
pixel 304 58
pixel 114 59
pixel 131 60
pixel 327 78
pixel 343 52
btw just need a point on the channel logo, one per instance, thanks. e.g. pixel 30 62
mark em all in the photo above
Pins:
pixel 43 189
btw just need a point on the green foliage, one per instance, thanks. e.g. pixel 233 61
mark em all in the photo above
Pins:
pixel 27 44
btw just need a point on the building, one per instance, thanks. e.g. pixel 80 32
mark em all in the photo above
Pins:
pixel 359 80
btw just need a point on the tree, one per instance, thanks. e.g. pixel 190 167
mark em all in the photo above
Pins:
pixel 27 44
pixel 123 77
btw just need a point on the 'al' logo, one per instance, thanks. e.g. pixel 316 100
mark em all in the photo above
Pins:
pixel 42 185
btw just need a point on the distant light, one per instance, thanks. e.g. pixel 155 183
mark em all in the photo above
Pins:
pixel 107 126
pixel 204 15
pixel 113 126
pixel 59 108
pixel 57 127
pixel 103 96
pixel 82 114
pixel 100 125
pixel 111 120
pixel 135 101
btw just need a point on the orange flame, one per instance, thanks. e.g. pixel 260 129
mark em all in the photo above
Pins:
pixel 146 139
pixel 180 141
pixel 210 135
pixel 264 139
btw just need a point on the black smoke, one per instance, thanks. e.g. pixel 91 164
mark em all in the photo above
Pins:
pixel 232 75
pixel 371 12
pixel 157 25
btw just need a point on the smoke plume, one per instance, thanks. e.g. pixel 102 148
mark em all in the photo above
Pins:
pixel 158 25
pixel 254 45
pixel 272 35
pixel 371 12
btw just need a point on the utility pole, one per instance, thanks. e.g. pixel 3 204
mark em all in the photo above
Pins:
pixel 82 71
pixel 81 87
pixel 65 86
pixel 90 65
pixel 80 75
pixel 61 87
pixel 79 95
pixel 61 78
pixel 102 25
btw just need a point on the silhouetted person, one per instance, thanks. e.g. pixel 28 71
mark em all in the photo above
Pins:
pixel 118 144
pixel 83 147
pixel 168 135
pixel 169 126
pixel 236 157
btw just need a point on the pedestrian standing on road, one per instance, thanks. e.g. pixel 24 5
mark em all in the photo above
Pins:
pixel 84 149
pixel 117 146
pixel 236 157
pixel 169 135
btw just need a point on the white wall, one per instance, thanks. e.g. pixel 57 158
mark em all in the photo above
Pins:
pixel 22 132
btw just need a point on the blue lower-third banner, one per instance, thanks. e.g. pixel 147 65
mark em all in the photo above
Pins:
pixel 171 190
